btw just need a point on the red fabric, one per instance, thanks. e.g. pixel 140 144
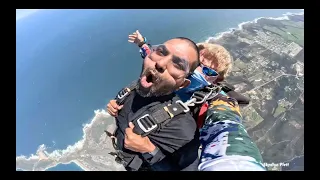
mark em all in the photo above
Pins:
pixel 146 48
pixel 202 115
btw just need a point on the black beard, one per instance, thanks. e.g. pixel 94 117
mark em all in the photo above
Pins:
pixel 159 87
pixel 155 91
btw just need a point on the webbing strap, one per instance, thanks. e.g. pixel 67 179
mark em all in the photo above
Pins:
pixel 132 162
pixel 206 94
pixel 160 116
pixel 124 93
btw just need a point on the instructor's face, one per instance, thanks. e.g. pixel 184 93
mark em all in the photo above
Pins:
pixel 165 69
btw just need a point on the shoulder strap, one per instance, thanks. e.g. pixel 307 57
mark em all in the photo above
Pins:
pixel 123 94
pixel 204 95
pixel 158 117
pixel 161 114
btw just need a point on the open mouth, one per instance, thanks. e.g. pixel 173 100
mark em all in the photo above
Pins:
pixel 148 79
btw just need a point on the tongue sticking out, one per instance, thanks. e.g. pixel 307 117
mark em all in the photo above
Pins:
pixel 146 81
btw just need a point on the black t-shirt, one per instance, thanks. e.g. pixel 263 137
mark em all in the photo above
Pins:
pixel 179 131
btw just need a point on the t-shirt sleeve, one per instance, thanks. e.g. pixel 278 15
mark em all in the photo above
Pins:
pixel 177 133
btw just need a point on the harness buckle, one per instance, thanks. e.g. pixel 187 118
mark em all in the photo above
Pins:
pixel 123 93
pixel 201 97
pixel 144 123
pixel 186 108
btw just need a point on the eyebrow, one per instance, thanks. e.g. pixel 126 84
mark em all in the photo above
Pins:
pixel 164 49
pixel 182 63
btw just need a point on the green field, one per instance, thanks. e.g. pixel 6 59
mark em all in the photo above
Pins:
pixel 278 111
pixel 296 30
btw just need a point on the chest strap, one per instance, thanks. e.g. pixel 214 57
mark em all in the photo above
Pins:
pixel 158 117
pixel 162 114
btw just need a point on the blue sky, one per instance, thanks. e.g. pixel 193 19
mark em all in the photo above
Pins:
pixel 21 13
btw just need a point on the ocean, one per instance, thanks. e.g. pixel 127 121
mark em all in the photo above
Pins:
pixel 65 167
pixel 72 62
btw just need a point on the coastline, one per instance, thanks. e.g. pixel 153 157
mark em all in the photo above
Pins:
pixel 80 165
pixel 220 35
pixel 58 153
pixel 73 161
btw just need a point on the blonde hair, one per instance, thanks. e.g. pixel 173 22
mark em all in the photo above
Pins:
pixel 220 55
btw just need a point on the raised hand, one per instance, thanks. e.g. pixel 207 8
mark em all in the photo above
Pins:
pixel 136 38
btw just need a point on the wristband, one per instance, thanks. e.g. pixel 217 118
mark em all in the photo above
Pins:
pixel 143 42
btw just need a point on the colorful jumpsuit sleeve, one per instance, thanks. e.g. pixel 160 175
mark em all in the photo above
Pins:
pixel 226 145
pixel 145 49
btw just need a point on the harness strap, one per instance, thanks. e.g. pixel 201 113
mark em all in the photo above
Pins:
pixel 206 94
pixel 160 116
pixel 131 162
pixel 123 94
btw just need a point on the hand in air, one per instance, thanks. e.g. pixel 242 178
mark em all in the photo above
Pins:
pixel 136 37
pixel 113 108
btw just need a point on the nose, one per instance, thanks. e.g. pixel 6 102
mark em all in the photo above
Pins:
pixel 162 64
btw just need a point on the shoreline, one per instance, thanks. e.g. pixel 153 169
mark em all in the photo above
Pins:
pixel 220 35
pixel 69 149
pixel 80 165
pixel 73 161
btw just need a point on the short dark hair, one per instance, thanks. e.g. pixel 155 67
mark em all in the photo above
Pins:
pixel 195 47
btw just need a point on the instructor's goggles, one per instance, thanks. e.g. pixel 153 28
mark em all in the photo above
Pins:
pixel 208 71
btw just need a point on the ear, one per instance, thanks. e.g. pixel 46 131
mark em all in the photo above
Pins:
pixel 185 84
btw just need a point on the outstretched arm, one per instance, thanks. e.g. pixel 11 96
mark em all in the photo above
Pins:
pixel 141 42
pixel 226 145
